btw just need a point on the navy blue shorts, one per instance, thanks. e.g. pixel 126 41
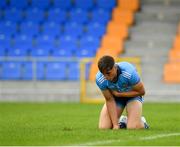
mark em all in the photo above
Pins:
pixel 122 102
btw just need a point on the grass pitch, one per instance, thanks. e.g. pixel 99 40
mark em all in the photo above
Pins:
pixel 76 124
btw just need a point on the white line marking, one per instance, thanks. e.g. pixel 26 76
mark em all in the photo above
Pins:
pixel 104 142
pixel 101 142
pixel 160 136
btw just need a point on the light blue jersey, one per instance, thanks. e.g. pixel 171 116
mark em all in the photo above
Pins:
pixel 128 77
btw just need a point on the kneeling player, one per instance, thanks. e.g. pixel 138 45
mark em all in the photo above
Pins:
pixel 121 86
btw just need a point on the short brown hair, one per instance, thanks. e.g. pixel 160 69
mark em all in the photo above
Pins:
pixel 105 63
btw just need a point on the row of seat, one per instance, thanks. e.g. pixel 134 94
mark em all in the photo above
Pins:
pixel 44 46
pixel 57 15
pixel 45 40
pixel 61 70
pixel 172 68
pixel 63 4
pixel 42 52
pixel 52 29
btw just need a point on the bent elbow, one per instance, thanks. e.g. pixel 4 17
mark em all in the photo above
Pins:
pixel 143 92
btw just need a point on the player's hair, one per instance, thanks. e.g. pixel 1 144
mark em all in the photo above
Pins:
pixel 105 63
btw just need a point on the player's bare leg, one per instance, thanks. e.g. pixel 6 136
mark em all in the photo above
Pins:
pixel 134 112
pixel 104 119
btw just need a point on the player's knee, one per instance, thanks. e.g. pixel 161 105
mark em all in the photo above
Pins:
pixel 103 127
pixel 131 126
pixel 135 125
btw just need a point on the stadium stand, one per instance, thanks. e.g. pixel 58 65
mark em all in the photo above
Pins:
pixel 19 5
pixel 56 71
pixel 150 39
pixel 11 12
pixel 29 28
pixel 11 70
pixel 36 29
pixel 68 30
pixel 62 4
pixel 112 42
pixel 57 15
pixel 27 70
pixel 171 69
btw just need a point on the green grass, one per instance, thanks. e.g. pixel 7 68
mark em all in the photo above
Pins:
pixel 76 124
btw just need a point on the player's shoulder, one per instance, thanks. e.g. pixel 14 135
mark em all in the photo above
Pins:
pixel 126 66
pixel 100 78
pixel 127 69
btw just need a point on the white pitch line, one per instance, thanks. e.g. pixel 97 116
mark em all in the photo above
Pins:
pixel 104 142
pixel 100 142
pixel 159 136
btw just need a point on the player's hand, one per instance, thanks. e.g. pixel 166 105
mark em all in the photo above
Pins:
pixel 115 93
pixel 115 127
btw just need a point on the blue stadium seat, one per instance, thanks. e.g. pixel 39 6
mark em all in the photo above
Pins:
pixel 5 41
pixel 23 41
pixel 68 43
pixel 1 67
pixel 57 15
pixel 78 16
pixel 74 71
pixel 40 70
pixel 42 4
pixel 100 16
pixel 11 70
pixel 44 46
pixel 84 5
pixel 73 29
pixel 19 4
pixel 87 70
pixel 83 52
pixel 63 4
pixel 40 51
pixel 13 15
pixel 62 52
pixel 89 43
pixel 95 30
pixel 3 4
pixel 8 28
pixel 21 46
pixel 29 28
pixel 17 51
pixel 51 29
pixel 3 51
pixel 27 70
pixel 35 15
pixel 45 41
pixel 1 15
pixel 106 4
pixel 56 71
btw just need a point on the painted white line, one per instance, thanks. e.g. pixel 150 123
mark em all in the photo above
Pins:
pixel 105 142
pixel 160 136
pixel 100 142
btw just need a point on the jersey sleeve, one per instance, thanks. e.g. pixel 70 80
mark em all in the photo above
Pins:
pixel 101 86
pixel 134 78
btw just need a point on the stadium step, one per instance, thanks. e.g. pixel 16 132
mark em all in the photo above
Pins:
pixel 160 2
pixel 31 91
pixel 151 38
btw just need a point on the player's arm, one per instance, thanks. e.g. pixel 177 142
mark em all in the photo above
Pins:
pixel 111 107
pixel 137 90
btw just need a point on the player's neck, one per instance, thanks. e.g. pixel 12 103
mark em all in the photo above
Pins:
pixel 117 74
